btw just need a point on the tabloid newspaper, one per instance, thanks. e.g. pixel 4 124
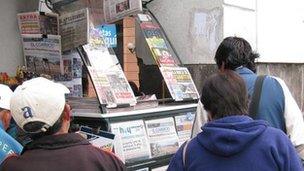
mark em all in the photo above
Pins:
pixel 111 85
pixel 103 140
pixel 157 44
pixel 184 126
pixel 38 23
pixel 179 83
pixel 43 54
pixel 131 142
pixel 74 29
pixel 117 9
pixel 162 136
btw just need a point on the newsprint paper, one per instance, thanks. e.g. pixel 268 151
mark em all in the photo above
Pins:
pixel 184 126
pixel 179 83
pixel 74 29
pixel 162 136
pixel 43 54
pixel 117 9
pixel 131 142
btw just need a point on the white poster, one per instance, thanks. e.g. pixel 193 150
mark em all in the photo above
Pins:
pixel 117 9
pixel 162 136
pixel 131 143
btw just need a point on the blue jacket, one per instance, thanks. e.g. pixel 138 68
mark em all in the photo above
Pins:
pixel 272 102
pixel 238 143
pixel 8 145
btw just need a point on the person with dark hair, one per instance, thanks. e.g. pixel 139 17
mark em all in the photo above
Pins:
pixel 274 102
pixel 39 108
pixel 231 140
pixel 8 145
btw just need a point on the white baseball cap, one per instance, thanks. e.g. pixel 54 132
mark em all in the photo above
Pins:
pixel 38 100
pixel 5 96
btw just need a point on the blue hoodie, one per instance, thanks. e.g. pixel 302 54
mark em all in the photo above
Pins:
pixel 238 143
pixel 8 145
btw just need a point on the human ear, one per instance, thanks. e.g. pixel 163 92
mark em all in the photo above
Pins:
pixel 6 119
pixel 67 112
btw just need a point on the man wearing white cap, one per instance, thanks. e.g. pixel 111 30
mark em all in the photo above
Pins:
pixel 39 108
pixel 8 145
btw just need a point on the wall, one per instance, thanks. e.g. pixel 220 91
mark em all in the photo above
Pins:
pixel 10 46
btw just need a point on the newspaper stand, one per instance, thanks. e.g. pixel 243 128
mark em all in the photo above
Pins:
pixel 95 113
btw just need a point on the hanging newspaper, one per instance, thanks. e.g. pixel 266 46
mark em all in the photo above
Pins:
pixel 184 126
pixel 162 136
pixel 43 54
pixel 131 142
pixel 74 29
pixel 75 87
pixel 103 140
pixel 179 83
pixel 108 78
pixel 38 23
pixel 118 9
pixel 157 44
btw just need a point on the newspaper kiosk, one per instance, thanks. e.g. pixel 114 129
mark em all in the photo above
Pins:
pixel 143 131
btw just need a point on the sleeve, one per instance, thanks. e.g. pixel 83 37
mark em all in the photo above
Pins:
pixel 286 156
pixel 176 163
pixel 200 119
pixel 293 120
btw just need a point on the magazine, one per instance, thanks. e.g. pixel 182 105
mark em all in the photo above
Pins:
pixel 157 44
pixel 42 54
pixel 115 10
pixel 38 23
pixel 74 29
pixel 103 140
pixel 179 83
pixel 131 143
pixel 184 126
pixel 162 136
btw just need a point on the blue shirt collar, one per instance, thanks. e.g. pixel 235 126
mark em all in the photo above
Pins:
pixel 243 70
pixel 1 125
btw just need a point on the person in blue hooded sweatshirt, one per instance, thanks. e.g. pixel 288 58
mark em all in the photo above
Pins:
pixel 8 145
pixel 231 140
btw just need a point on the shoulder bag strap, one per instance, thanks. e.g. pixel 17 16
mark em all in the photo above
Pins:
pixel 256 96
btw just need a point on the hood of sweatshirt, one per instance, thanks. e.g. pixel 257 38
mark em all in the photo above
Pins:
pixel 230 135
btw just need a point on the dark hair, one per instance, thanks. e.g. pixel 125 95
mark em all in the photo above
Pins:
pixel 235 52
pixel 225 94
pixel 36 127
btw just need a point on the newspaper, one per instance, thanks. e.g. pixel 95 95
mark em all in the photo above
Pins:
pixel 38 23
pixel 162 136
pixel 111 85
pixel 157 44
pixel 103 140
pixel 43 54
pixel 72 65
pixel 179 83
pixel 184 126
pixel 75 87
pixel 131 142
pixel 117 9
pixel 74 29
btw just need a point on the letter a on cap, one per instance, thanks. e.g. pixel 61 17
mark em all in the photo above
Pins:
pixel 27 112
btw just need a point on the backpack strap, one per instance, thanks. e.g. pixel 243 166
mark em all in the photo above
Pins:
pixel 184 154
pixel 256 96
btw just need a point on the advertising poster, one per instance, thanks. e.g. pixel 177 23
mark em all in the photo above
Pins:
pixel 43 54
pixel 131 143
pixel 162 136
pixel 157 44
pixel 179 83
pixel 117 9
pixel 184 126
pixel 74 29
pixel 109 35
pixel 38 23
pixel 103 140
